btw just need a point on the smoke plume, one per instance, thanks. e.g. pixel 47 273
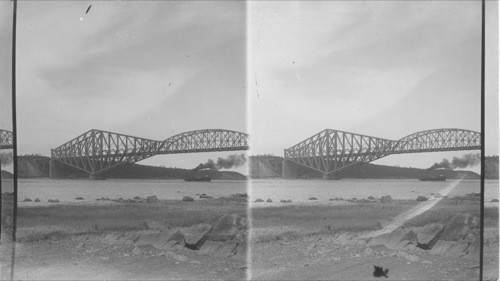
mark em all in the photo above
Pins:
pixel 467 160
pixel 5 158
pixel 232 161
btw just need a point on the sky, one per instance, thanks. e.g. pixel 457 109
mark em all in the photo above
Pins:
pixel 154 69
pixel 5 65
pixel 6 78
pixel 149 69
pixel 383 69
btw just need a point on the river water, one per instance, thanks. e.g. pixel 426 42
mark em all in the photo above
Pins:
pixel 277 189
pixel 299 191
pixel 67 190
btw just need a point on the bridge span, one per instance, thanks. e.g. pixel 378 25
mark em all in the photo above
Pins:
pixel 331 151
pixel 96 151
pixel 6 139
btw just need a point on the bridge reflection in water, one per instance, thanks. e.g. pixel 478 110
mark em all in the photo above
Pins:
pixel 97 151
pixel 331 151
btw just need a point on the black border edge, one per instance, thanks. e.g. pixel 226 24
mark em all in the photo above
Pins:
pixel 14 137
pixel 481 235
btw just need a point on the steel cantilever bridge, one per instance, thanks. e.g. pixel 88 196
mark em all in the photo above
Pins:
pixel 6 140
pixel 331 151
pixel 97 151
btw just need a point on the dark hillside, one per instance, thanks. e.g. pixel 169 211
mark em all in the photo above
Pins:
pixel 32 166
pixel 268 166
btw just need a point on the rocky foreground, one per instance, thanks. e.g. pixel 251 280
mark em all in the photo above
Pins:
pixel 213 250
pixel 435 251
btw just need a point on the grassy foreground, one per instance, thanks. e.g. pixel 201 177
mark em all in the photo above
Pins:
pixel 291 222
pixel 39 223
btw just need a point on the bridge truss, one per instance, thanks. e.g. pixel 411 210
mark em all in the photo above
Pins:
pixel 6 139
pixel 331 151
pixel 97 151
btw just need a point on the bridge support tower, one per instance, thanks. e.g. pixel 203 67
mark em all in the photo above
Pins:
pixel 331 176
pixel 289 169
pixel 97 176
pixel 56 169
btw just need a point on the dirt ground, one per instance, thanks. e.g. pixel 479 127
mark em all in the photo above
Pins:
pixel 326 257
pixel 292 256
pixel 308 251
pixel 70 259
pixel 78 242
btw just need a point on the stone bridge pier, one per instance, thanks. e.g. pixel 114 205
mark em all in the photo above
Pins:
pixel 56 169
pixel 331 176
pixel 97 176
pixel 289 170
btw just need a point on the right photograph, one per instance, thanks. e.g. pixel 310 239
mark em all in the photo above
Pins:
pixel 365 157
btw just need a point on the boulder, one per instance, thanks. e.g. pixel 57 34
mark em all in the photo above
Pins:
pixel 203 195
pixel 79 198
pixel 209 248
pixel 187 199
pixel 51 201
pixel 37 200
pixel 136 251
pixel 269 200
pixel 368 251
pixel 313 198
pixel 152 199
pixel 494 200
pixel 172 245
pixel 386 199
pixel 218 249
pixel 240 195
pixel 111 238
pixel 27 200
pixel 450 248
pixel 398 239
pixel 227 250
pixel 57 200
pixel 428 235
pixel 259 200
pixel 459 226
pixel 195 236
pixel 371 197
pixel 474 250
pixel 137 198
pixel 161 240
pixel 227 227
pixel 422 198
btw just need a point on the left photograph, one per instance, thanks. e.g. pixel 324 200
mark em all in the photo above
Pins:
pixel 7 205
pixel 132 140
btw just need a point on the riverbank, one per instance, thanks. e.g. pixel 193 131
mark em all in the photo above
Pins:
pixel 345 242
pixel 146 239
